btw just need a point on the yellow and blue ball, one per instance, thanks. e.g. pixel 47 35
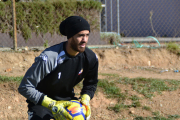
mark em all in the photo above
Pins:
pixel 77 110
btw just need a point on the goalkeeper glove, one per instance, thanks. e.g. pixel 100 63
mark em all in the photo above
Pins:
pixel 57 108
pixel 85 99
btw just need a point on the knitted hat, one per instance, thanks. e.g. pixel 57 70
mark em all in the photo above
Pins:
pixel 72 25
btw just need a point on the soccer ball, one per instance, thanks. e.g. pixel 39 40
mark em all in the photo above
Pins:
pixel 77 110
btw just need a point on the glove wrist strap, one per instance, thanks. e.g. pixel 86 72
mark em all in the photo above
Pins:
pixel 85 97
pixel 48 102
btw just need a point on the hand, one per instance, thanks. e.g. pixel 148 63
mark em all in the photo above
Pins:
pixel 85 99
pixel 48 102
pixel 59 111
pixel 57 108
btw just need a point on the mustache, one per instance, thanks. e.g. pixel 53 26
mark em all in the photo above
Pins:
pixel 82 43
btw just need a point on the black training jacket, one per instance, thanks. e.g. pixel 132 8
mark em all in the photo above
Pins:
pixel 54 73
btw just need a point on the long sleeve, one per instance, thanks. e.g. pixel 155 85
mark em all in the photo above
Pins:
pixel 40 68
pixel 91 79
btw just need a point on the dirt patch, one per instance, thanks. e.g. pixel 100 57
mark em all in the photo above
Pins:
pixel 126 62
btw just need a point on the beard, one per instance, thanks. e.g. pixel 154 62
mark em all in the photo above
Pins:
pixel 76 46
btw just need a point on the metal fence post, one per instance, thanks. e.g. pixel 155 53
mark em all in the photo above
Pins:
pixel 14 26
pixel 111 18
pixel 106 16
pixel 118 19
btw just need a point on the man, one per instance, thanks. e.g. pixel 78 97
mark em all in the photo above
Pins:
pixel 48 83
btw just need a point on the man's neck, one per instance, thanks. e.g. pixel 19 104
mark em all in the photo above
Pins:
pixel 70 51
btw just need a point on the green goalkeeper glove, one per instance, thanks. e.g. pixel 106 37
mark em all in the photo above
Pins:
pixel 57 108
pixel 85 99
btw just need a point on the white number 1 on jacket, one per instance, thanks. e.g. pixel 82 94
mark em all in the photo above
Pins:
pixel 59 75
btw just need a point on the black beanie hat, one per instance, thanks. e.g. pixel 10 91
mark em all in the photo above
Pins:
pixel 72 25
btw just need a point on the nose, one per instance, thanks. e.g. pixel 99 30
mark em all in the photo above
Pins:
pixel 85 38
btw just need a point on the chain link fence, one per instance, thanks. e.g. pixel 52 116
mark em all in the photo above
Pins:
pixel 137 19
pixel 128 19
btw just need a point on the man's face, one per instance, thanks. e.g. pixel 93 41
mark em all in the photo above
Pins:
pixel 78 42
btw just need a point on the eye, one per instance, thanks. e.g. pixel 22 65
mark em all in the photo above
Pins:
pixel 81 35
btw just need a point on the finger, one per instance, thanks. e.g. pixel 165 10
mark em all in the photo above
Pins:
pixel 67 115
pixel 68 103
pixel 88 118
pixel 62 117
pixel 86 103
pixel 56 117
pixel 88 111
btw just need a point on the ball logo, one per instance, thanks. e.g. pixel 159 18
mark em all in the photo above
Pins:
pixel 74 110
pixel 77 110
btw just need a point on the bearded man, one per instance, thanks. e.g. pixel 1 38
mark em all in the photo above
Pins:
pixel 49 83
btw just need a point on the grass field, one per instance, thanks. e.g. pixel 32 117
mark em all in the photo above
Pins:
pixel 129 88
pixel 110 85
pixel 146 87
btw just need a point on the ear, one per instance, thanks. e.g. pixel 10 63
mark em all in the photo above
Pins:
pixel 70 39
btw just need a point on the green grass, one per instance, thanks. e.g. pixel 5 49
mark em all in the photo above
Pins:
pixel 111 38
pixel 158 117
pixel 152 118
pixel 173 116
pixel 120 106
pixel 10 79
pixel 143 86
pixel 135 104
pixel 109 75
pixel 146 108
pixel 147 87
pixel 173 47
pixel 134 98
pixel 110 89
pixel 117 107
